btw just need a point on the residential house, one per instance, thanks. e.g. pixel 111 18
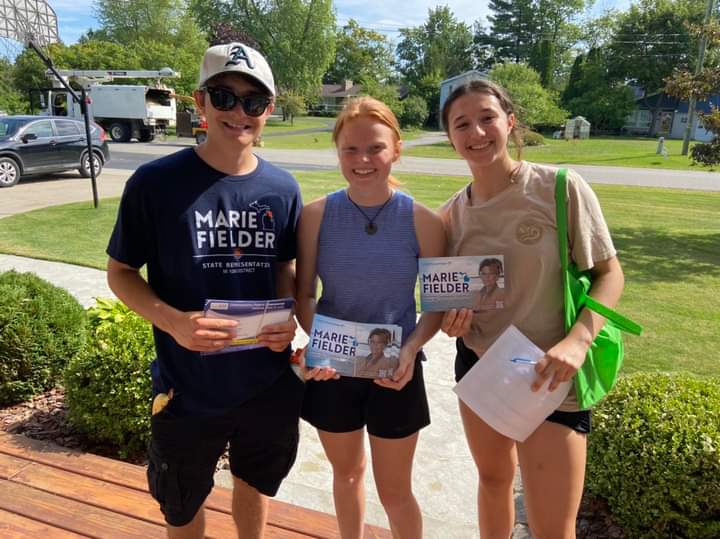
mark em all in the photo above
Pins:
pixel 333 96
pixel 671 118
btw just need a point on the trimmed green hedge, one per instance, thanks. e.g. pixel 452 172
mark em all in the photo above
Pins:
pixel 108 385
pixel 42 327
pixel 654 455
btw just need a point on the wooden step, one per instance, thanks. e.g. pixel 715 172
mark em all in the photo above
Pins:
pixel 121 488
pixel 77 517
pixel 14 526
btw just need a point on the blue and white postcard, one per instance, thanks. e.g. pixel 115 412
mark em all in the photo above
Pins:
pixel 473 282
pixel 354 349
pixel 251 317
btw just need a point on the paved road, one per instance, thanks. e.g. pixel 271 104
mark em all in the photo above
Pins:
pixel 128 156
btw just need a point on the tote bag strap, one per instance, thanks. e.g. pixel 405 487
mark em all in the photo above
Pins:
pixel 623 323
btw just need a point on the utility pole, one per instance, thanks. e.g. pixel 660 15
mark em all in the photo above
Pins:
pixel 698 69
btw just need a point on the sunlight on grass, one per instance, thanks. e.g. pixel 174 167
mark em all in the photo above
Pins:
pixel 615 151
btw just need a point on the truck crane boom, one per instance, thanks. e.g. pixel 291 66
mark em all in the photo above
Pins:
pixel 86 77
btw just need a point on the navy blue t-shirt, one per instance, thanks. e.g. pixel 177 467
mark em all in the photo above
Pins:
pixel 206 235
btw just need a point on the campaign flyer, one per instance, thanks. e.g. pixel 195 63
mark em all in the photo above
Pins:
pixel 353 348
pixel 475 282
pixel 251 316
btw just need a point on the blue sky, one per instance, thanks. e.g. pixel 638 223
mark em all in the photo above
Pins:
pixel 76 16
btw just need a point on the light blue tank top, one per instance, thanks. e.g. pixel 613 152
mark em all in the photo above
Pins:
pixel 368 278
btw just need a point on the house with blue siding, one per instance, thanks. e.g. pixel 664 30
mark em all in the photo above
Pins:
pixel 671 117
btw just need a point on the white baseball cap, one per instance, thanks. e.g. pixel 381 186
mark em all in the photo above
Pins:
pixel 236 58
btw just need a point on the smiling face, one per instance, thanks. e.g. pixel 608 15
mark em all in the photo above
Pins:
pixel 489 276
pixel 367 148
pixel 377 346
pixel 479 129
pixel 232 128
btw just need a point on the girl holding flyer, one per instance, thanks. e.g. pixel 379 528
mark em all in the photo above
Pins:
pixel 509 209
pixel 364 242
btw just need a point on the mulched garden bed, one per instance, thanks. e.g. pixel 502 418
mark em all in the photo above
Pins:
pixel 44 417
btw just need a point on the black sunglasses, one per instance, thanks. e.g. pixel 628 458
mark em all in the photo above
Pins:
pixel 224 99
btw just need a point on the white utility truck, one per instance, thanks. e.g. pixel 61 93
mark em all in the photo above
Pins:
pixel 124 111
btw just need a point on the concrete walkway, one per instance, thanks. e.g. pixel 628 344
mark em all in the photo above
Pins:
pixel 444 478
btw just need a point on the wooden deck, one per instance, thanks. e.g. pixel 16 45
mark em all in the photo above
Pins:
pixel 48 492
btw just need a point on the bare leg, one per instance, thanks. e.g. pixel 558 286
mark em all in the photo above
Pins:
pixel 346 454
pixel 195 529
pixel 249 510
pixel 496 460
pixel 392 461
pixel 552 462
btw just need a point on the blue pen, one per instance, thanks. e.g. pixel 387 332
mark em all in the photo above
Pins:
pixel 523 360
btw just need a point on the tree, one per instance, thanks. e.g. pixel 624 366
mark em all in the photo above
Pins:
pixel 428 54
pixel 573 88
pixel 11 101
pixel 538 32
pixel 650 41
pixel 292 105
pixel 387 93
pixel 591 93
pixel 414 112
pixel 220 32
pixel 150 34
pixel 700 85
pixel 511 30
pixel 360 55
pixel 296 36
pixel 542 60
pixel 534 104
pixel 131 20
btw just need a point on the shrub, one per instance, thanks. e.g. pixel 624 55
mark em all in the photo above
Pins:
pixel 654 454
pixel 41 328
pixel 108 386
pixel 707 154
pixel 414 112
pixel 532 138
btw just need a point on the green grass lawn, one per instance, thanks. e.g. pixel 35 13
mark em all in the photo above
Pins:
pixel 276 125
pixel 668 240
pixel 317 141
pixel 609 151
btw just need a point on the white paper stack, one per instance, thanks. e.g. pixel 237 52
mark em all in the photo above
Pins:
pixel 497 388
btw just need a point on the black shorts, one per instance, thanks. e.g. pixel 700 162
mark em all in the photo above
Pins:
pixel 577 421
pixel 349 404
pixel 184 448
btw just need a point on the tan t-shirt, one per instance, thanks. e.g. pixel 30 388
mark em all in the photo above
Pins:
pixel 519 224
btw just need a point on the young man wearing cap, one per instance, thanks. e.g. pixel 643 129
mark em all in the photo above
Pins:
pixel 214 222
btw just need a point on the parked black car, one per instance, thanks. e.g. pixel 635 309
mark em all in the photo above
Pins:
pixel 37 144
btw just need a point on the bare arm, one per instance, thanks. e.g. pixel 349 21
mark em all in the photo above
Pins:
pixel 563 360
pixel 431 236
pixel 308 232
pixel 190 329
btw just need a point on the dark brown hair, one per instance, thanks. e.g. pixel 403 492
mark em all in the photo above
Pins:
pixel 485 87
pixel 382 332
pixel 491 262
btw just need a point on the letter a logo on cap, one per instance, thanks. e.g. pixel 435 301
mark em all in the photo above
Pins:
pixel 239 54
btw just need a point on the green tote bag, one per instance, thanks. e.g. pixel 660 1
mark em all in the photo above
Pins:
pixel 598 374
